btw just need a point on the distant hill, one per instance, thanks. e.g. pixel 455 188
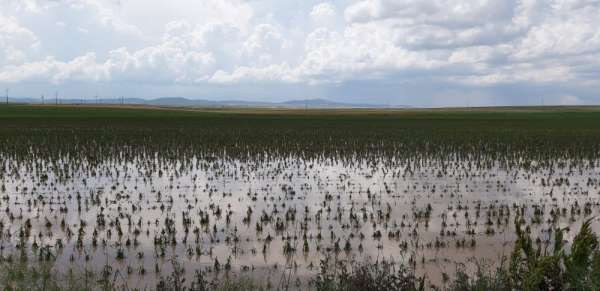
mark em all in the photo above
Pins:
pixel 185 102
pixel 318 103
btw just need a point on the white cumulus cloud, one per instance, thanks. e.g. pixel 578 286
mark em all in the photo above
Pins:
pixel 456 44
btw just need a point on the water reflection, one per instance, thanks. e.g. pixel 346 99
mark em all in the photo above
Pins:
pixel 274 215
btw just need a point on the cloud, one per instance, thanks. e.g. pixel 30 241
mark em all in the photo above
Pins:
pixel 15 41
pixel 569 28
pixel 264 41
pixel 570 100
pixel 272 73
pixel 83 68
pixel 469 45
pixel 430 24
pixel 323 11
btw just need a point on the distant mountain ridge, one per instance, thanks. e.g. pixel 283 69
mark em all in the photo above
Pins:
pixel 185 102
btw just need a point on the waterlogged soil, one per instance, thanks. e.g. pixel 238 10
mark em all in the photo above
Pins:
pixel 275 218
pixel 271 194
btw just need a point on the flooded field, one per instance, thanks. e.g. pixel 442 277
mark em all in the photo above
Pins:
pixel 237 195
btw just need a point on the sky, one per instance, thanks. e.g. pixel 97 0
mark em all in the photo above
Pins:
pixel 425 53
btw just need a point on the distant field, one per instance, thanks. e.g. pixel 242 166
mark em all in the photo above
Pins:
pixel 530 131
pixel 520 130
pixel 549 116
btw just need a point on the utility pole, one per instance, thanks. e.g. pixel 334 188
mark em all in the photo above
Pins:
pixel 43 99
pixel 97 99
pixel 7 96
pixel 56 97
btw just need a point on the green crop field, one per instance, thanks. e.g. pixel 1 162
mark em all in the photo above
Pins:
pixel 518 119
pixel 522 130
